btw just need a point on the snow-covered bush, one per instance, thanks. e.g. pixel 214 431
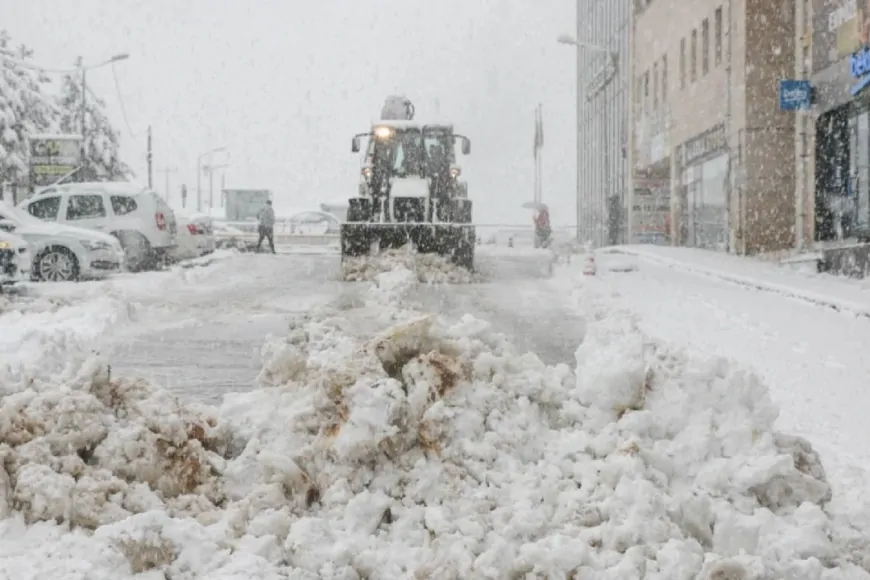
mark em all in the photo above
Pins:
pixel 26 107
pixel 102 141
pixel 390 443
pixel 30 104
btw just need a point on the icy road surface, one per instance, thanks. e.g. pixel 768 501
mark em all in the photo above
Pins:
pixel 813 359
pixel 203 339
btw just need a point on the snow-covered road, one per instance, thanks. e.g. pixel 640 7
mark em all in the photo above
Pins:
pixel 199 332
pixel 813 359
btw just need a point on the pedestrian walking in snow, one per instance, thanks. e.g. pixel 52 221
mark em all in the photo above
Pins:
pixel 266 226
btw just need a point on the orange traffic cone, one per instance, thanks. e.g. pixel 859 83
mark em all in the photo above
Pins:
pixel 589 267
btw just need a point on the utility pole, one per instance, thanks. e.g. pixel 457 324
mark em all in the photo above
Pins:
pixel 166 171
pixel 150 158
pixel 84 148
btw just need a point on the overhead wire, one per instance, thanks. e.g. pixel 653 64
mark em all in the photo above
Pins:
pixel 121 103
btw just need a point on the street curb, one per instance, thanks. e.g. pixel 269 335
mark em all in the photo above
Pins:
pixel 787 291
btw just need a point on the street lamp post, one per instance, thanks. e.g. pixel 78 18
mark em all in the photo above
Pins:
pixel 591 93
pixel 83 69
pixel 199 174
pixel 210 169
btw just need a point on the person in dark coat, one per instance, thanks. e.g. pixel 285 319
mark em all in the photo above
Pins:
pixel 266 226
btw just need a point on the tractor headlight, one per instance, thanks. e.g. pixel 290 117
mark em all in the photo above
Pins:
pixel 5 245
pixel 455 172
pixel 366 173
pixel 383 132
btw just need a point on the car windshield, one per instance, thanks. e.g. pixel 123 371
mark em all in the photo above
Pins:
pixel 14 214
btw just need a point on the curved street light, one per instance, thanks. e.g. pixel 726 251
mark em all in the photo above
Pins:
pixel 199 173
pixel 614 61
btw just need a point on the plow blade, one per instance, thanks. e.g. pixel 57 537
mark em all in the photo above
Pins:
pixel 453 242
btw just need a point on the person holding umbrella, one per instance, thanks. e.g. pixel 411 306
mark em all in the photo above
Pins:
pixel 543 231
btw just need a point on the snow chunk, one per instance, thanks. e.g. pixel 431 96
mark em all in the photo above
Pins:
pixel 428 268
pixel 390 443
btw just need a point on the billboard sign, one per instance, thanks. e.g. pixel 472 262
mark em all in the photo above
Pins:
pixel 840 28
pixel 52 157
pixel 245 204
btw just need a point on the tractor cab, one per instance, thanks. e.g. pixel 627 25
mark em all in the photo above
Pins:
pixel 410 151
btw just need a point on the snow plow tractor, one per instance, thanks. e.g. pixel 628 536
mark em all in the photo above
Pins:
pixel 410 193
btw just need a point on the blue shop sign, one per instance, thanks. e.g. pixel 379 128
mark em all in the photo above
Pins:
pixel 795 95
pixel 859 64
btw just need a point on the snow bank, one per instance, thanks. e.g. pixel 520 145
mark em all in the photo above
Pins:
pixel 389 443
pixel 429 268
pixel 42 326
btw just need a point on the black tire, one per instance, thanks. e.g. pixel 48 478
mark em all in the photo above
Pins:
pixel 463 254
pixel 56 264
pixel 138 254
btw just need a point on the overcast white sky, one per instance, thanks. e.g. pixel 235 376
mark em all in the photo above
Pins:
pixel 284 84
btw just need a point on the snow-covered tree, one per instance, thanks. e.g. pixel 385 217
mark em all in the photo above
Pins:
pixel 25 108
pixel 102 143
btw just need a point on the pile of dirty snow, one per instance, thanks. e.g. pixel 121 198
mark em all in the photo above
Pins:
pixel 427 268
pixel 388 443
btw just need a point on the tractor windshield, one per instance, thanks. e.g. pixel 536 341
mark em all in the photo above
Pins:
pixel 398 154
pixel 410 152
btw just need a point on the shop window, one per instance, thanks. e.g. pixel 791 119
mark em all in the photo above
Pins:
pixel 646 90
pixel 717 37
pixel 705 46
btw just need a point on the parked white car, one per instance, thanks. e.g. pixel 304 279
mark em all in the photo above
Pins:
pixel 142 220
pixel 14 259
pixel 60 252
pixel 227 236
pixel 195 236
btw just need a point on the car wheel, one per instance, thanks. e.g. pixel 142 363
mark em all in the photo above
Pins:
pixel 56 264
pixel 138 253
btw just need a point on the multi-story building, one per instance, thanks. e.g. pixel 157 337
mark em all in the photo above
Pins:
pixel 839 197
pixel 603 120
pixel 709 140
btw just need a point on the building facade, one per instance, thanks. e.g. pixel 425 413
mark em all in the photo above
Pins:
pixel 841 145
pixel 712 154
pixel 603 121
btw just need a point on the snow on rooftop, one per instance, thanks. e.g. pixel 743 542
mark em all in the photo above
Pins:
pixel 105 186
pixel 385 442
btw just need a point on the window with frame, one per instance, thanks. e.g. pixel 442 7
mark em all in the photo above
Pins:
pixel 705 46
pixel 122 204
pixel 683 63
pixel 693 57
pixel 646 90
pixel 664 79
pixel 46 208
pixel 717 37
pixel 85 206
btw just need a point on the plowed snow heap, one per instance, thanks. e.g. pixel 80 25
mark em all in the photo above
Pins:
pixel 386 443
